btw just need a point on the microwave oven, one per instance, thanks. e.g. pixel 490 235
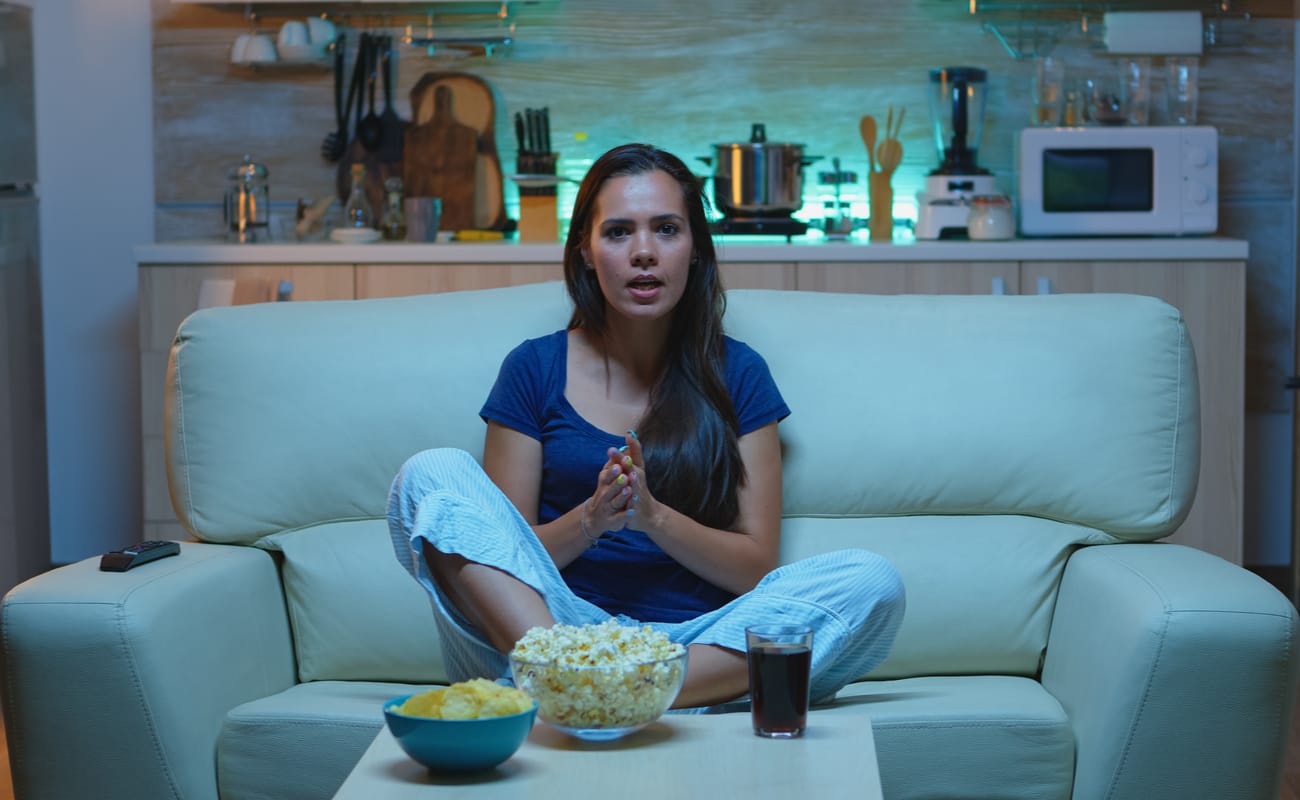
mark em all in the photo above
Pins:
pixel 1119 181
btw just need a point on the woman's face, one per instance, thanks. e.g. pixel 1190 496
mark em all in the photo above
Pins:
pixel 640 244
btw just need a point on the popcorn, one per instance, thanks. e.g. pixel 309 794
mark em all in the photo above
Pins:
pixel 599 676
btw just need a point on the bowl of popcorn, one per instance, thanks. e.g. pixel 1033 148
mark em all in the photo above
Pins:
pixel 472 725
pixel 598 682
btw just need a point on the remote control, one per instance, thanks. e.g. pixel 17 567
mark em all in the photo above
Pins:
pixel 137 554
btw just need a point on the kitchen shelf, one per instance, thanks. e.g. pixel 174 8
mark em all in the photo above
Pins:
pixel 370 6
pixel 310 65
pixel 1219 8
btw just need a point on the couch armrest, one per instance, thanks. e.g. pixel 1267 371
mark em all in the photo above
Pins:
pixel 1177 670
pixel 116 683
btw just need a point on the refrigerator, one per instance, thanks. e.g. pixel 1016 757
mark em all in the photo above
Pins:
pixel 24 481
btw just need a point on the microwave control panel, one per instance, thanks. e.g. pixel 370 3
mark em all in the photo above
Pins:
pixel 1200 181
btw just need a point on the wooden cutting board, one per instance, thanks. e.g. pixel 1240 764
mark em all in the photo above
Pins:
pixel 450 150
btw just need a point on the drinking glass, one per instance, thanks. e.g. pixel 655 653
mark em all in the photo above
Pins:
pixel 780 659
pixel 1048 91
pixel 1135 82
pixel 1181 89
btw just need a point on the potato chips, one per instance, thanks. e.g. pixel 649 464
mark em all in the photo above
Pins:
pixel 472 699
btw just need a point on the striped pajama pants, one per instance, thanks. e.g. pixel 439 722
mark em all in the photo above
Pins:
pixel 852 599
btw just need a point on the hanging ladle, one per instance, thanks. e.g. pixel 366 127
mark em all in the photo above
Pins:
pixel 370 130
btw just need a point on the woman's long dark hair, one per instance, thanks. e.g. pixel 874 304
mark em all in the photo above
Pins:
pixel 689 432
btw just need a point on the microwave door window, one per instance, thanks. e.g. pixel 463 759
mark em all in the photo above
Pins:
pixel 1102 179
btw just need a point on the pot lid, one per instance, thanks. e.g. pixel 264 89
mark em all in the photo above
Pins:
pixel 758 138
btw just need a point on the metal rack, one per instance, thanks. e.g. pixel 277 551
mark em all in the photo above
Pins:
pixel 456 28
pixel 1032 28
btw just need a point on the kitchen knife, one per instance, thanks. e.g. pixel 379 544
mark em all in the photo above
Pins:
pixel 519 133
pixel 546 130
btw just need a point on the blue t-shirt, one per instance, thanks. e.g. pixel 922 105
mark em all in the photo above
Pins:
pixel 628 573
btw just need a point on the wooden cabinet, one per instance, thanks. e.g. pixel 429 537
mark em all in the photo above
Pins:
pixel 1210 294
pixel 757 275
pixel 914 277
pixel 399 280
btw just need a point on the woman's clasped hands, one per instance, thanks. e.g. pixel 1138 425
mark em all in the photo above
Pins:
pixel 620 490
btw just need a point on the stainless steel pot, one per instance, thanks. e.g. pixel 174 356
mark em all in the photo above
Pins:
pixel 758 178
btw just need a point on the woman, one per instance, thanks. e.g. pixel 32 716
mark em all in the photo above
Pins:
pixel 675 523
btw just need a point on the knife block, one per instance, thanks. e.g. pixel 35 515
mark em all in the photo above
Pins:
pixel 538 209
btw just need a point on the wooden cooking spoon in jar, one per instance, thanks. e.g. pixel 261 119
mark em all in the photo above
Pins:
pixel 891 155
pixel 867 127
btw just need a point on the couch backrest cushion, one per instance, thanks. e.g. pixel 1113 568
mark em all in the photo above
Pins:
pixel 287 415
pixel 1080 408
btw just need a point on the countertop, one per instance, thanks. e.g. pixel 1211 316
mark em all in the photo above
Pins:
pixel 730 249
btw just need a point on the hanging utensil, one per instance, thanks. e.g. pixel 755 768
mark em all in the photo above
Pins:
pixel 392 126
pixel 336 142
pixel 867 127
pixel 370 130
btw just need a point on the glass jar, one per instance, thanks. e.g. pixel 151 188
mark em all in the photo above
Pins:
pixel 248 201
pixel 357 212
pixel 393 223
pixel 990 217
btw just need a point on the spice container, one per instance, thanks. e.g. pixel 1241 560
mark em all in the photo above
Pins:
pixel 990 217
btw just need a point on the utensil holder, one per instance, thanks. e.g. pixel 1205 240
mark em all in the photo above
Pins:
pixel 538 210
pixel 881 193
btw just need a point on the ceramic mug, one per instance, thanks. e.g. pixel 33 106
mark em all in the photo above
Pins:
pixel 259 49
pixel 239 48
pixel 292 34
pixel 320 32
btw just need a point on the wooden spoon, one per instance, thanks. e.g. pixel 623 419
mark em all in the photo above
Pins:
pixel 868 129
pixel 890 155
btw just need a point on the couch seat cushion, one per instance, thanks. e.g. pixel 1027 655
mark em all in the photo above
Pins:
pixel 971 737
pixel 300 744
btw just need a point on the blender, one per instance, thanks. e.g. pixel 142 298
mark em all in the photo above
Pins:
pixel 957 97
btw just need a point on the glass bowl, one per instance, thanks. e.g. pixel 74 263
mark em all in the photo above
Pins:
pixel 601 703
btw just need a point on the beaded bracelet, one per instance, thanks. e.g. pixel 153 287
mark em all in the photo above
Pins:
pixel 592 541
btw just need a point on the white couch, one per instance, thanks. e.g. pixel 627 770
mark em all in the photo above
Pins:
pixel 1016 457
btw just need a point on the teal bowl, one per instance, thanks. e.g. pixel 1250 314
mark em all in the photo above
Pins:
pixel 458 745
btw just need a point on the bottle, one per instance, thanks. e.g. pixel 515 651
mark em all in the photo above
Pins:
pixel 356 211
pixel 393 224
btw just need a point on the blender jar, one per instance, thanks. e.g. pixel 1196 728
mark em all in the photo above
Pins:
pixel 957 98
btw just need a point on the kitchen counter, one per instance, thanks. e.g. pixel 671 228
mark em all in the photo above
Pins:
pixel 731 249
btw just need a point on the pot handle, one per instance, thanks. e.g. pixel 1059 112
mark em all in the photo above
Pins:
pixel 706 159
pixel 808 160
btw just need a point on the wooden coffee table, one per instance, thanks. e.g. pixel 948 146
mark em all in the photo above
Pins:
pixel 712 756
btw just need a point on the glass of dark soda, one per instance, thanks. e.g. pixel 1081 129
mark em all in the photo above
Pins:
pixel 780 657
